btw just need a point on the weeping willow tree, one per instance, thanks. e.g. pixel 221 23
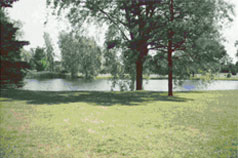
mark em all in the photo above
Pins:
pixel 80 55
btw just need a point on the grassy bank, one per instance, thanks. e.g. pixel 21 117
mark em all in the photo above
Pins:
pixel 118 124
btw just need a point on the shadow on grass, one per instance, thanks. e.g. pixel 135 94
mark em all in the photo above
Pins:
pixel 91 97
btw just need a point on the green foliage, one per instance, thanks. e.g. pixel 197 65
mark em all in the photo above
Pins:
pixel 10 46
pixel 191 37
pixel 122 74
pixel 69 53
pixel 80 54
pixel 206 56
pixel 233 69
pixel 7 3
pixel 228 75
pixel 229 67
pixel 58 66
pixel 26 55
pixel 135 27
pixel 49 52
pixel 45 75
pixel 10 59
pixel 90 61
pixel 236 45
pixel 131 25
pixel 39 58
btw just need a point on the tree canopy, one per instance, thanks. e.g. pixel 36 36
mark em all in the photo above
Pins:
pixel 11 64
pixel 7 3
pixel 185 31
pixel 236 45
pixel 138 26
pixel 80 54
pixel 49 51
pixel 39 58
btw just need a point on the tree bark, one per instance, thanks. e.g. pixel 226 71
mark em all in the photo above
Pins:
pixel 170 51
pixel 139 74
pixel 170 67
pixel 143 51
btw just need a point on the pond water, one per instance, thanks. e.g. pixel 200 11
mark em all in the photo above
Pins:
pixel 105 85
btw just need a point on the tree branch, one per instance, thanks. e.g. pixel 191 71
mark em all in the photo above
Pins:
pixel 113 21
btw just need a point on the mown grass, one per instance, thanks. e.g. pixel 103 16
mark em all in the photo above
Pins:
pixel 118 124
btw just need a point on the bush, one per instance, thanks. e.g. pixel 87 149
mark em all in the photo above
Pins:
pixel 228 75
pixel 234 73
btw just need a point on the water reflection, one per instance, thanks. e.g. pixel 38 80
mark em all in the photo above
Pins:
pixel 105 85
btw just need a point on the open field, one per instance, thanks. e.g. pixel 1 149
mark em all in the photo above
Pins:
pixel 118 124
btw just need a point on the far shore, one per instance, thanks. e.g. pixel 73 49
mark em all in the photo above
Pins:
pixel 50 75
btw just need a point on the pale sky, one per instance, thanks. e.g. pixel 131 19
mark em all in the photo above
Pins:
pixel 33 14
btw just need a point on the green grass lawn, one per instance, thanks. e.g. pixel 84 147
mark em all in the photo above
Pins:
pixel 118 124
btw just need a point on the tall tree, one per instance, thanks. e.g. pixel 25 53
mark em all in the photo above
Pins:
pixel 133 22
pixel 138 26
pixel 90 61
pixel 69 53
pixel 188 22
pixel 79 54
pixel 49 51
pixel 236 45
pixel 39 58
pixel 11 64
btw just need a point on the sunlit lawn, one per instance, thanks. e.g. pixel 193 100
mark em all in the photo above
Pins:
pixel 118 124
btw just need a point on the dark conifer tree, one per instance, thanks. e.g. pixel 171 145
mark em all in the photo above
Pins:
pixel 11 64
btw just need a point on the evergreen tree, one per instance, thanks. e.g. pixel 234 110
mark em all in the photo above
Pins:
pixel 39 59
pixel 11 64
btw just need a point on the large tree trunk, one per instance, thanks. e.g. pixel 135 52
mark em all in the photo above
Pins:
pixel 170 68
pixel 139 74
pixel 139 65
pixel 170 51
